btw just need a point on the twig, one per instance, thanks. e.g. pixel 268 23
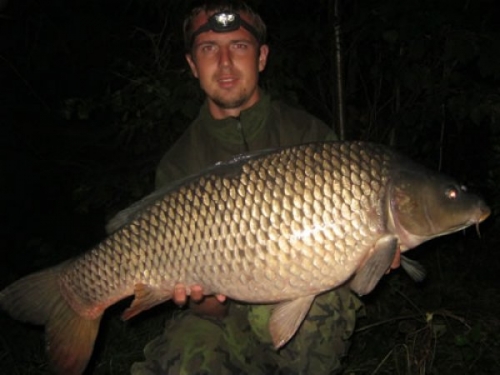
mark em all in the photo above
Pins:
pixel 370 326
pixel 26 83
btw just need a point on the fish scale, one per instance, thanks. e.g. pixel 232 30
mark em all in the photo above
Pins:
pixel 276 227
pixel 194 219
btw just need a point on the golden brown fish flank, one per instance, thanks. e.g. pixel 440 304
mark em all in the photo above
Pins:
pixel 265 214
pixel 278 227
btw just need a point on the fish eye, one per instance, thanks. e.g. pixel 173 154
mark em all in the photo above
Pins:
pixel 452 192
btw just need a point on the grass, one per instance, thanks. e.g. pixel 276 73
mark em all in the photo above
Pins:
pixel 450 324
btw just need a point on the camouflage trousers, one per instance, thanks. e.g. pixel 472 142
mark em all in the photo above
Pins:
pixel 241 343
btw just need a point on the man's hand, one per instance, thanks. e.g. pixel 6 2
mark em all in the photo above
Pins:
pixel 200 304
pixel 196 294
pixel 396 262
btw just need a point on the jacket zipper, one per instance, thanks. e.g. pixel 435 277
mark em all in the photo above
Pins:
pixel 243 138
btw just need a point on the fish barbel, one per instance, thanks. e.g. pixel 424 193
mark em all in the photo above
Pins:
pixel 276 227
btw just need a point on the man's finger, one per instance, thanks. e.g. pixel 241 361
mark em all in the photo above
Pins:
pixel 196 293
pixel 220 297
pixel 396 262
pixel 179 297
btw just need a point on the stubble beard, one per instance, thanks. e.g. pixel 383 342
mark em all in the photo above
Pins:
pixel 231 103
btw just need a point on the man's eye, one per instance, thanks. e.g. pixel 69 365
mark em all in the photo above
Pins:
pixel 240 46
pixel 207 48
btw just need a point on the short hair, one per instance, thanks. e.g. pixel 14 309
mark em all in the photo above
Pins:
pixel 214 6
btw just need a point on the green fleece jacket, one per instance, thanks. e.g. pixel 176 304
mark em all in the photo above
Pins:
pixel 268 124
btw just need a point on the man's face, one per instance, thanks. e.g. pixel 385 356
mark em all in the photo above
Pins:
pixel 227 65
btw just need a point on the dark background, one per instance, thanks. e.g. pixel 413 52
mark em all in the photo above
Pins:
pixel 92 93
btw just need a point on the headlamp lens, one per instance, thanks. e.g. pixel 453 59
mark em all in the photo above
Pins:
pixel 225 21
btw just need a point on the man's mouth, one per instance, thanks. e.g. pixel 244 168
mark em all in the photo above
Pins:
pixel 226 82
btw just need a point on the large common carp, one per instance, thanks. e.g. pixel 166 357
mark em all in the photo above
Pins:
pixel 278 227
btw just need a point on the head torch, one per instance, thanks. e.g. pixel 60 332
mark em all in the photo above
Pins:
pixel 223 22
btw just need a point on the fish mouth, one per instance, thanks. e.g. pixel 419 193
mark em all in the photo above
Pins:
pixel 484 212
pixel 481 214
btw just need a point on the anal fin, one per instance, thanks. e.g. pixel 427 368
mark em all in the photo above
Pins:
pixel 286 319
pixel 377 264
pixel 145 297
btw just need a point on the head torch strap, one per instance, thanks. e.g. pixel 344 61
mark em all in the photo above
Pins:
pixel 224 22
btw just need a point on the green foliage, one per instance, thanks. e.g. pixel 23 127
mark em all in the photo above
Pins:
pixel 414 72
pixel 142 119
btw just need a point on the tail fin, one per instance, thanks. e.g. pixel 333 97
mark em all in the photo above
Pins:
pixel 69 338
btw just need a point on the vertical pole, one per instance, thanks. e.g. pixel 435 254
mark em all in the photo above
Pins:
pixel 338 99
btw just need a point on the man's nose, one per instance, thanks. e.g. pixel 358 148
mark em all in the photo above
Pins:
pixel 225 56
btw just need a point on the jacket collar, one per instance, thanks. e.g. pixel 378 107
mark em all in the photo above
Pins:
pixel 231 130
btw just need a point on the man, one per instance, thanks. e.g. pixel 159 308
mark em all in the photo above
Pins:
pixel 226 50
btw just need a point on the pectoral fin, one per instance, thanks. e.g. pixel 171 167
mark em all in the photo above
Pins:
pixel 286 319
pixel 414 269
pixel 369 274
